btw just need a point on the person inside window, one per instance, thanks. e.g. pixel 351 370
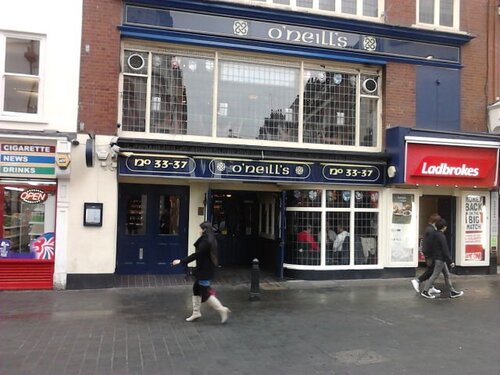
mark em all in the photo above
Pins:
pixel 306 237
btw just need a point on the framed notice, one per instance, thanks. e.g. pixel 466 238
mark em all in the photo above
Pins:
pixel 92 214
pixel 403 228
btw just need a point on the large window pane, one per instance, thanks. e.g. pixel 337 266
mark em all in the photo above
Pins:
pixel 370 8
pixel 22 56
pixel 257 101
pixel 181 95
pixel 349 6
pixel 169 214
pixel 134 103
pixel 327 5
pixel 305 3
pixel 337 238
pixel 329 107
pixel 303 236
pixel 368 121
pixel 365 240
pixel 426 11
pixel 446 13
pixel 21 94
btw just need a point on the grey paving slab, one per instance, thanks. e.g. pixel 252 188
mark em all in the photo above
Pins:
pixel 331 327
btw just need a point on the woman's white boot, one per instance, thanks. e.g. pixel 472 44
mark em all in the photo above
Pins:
pixel 223 311
pixel 196 309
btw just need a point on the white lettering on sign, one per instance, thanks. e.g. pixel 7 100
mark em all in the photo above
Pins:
pixel 443 169
pixel 324 38
pixel 25 148
pixel 19 170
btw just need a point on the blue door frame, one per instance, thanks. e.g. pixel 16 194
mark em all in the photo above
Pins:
pixel 143 247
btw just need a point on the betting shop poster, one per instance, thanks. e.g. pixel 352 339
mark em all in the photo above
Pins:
pixel 474 227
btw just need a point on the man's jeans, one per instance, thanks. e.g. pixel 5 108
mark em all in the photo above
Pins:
pixel 439 266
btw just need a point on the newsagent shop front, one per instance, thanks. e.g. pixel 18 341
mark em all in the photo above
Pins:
pixel 454 175
pixel 311 219
pixel 28 189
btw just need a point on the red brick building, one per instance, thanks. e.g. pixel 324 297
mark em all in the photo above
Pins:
pixel 272 118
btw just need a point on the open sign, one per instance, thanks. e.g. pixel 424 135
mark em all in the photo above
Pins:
pixel 33 196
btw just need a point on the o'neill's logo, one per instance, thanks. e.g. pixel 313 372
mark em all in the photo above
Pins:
pixel 448 168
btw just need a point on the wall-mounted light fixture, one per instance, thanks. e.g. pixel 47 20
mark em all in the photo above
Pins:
pixel 391 171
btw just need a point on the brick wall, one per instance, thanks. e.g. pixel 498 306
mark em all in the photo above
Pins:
pixel 98 103
pixel 474 20
pixel 399 97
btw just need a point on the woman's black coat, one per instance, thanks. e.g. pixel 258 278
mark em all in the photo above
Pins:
pixel 205 269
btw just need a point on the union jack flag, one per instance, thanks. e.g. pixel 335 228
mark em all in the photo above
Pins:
pixel 44 246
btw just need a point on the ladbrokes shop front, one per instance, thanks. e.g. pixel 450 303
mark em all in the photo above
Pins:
pixel 455 175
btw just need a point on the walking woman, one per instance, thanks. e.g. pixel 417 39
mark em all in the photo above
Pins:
pixel 206 261
pixel 441 258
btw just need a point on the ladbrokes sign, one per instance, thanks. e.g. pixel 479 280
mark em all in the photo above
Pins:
pixel 451 165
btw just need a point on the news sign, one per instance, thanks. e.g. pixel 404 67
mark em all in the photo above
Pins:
pixel 451 165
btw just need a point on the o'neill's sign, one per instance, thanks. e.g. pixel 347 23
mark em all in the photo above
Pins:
pixel 250 170
pixel 430 164
pixel 27 160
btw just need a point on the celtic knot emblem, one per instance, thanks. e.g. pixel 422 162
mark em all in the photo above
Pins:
pixel 299 170
pixel 220 166
pixel 369 43
pixel 240 27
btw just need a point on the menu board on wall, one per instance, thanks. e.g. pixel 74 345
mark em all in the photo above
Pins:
pixel 402 242
pixel 474 227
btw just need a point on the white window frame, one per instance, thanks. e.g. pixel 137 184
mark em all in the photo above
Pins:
pixel 352 210
pixel 21 116
pixel 271 60
pixel 315 8
pixel 437 17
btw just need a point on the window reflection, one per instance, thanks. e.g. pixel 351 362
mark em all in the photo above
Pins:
pixel 136 214
pixel 329 107
pixel 169 214
pixel 257 102
pixel 22 58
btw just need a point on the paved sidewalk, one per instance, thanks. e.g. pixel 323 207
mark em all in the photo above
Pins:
pixel 358 327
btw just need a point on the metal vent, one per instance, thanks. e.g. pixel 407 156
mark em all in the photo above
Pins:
pixel 135 62
pixel 370 85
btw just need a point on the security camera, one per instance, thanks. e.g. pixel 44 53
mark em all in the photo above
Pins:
pixel 115 148
pixel 75 142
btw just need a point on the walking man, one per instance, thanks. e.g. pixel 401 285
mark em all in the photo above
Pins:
pixel 442 258
pixel 427 250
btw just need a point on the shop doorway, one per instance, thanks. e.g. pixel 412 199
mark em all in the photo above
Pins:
pixel 247 227
pixel 152 228
pixel 446 207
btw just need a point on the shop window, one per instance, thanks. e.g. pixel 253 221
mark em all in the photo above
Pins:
pixel 338 238
pixel 303 238
pixel 257 100
pixel 438 13
pixel 20 83
pixel 27 221
pixel 169 214
pixel 350 228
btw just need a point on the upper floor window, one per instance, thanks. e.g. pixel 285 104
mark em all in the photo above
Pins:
pixel 244 98
pixel 372 9
pixel 20 72
pixel 438 13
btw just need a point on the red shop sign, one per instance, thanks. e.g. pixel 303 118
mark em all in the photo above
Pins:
pixel 451 165
pixel 33 196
